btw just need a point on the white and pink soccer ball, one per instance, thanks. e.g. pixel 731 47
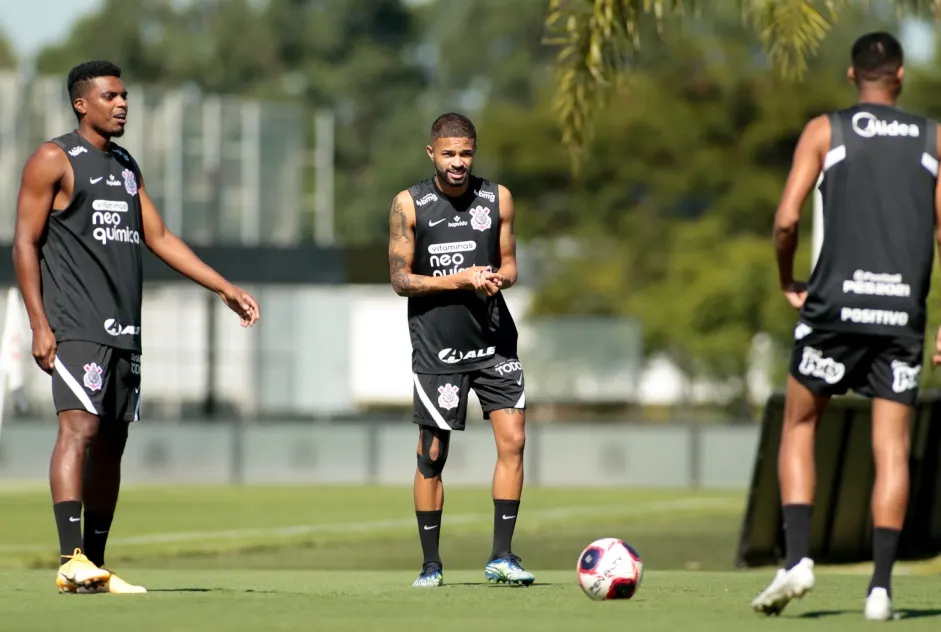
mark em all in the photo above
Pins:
pixel 609 569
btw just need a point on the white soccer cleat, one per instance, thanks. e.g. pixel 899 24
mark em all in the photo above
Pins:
pixel 508 570
pixel 786 585
pixel 879 606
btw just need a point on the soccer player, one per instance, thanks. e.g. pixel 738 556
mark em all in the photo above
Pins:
pixel 862 315
pixel 452 252
pixel 82 215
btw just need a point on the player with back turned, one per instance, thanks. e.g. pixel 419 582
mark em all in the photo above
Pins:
pixel 863 313
pixel 83 213
pixel 452 252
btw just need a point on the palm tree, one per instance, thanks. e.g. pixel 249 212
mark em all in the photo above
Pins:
pixel 597 38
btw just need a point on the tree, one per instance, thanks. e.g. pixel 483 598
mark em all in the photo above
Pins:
pixel 7 57
pixel 669 222
pixel 350 56
pixel 600 41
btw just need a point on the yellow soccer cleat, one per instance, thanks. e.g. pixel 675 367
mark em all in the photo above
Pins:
pixel 79 572
pixel 114 585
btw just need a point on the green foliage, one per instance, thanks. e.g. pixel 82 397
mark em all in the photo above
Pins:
pixel 348 55
pixel 7 57
pixel 599 39
pixel 670 218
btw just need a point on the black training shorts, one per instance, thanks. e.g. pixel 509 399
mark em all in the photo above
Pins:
pixel 831 363
pixel 96 378
pixel 440 401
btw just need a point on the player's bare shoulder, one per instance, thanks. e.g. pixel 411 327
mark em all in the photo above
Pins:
pixel 506 201
pixel 817 131
pixel 404 204
pixel 47 163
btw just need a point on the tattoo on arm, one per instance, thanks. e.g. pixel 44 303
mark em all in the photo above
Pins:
pixel 399 231
pixel 513 411
pixel 401 254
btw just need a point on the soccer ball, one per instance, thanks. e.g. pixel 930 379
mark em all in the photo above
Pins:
pixel 609 569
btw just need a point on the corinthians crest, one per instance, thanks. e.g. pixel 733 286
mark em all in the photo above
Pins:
pixel 130 182
pixel 447 399
pixel 480 218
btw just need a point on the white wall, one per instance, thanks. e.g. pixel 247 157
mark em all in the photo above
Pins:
pixel 323 350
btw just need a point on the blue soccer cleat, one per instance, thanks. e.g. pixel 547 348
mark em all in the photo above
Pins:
pixel 430 577
pixel 507 570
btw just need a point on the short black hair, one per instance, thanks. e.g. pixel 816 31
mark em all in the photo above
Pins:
pixel 877 57
pixel 81 75
pixel 453 125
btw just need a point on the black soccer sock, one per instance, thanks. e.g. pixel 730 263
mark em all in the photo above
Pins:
pixel 796 533
pixel 429 531
pixel 96 536
pixel 69 524
pixel 504 523
pixel 884 544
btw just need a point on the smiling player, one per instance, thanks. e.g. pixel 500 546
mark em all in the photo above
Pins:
pixel 451 252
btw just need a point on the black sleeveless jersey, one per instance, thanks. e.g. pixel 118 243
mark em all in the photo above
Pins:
pixel 457 331
pixel 90 257
pixel 874 268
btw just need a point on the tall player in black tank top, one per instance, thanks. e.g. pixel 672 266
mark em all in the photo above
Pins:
pixel 452 252
pixel 82 215
pixel 862 315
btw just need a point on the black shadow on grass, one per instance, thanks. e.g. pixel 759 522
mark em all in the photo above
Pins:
pixel 907 613
pixel 506 586
pixel 222 590
pixel 919 613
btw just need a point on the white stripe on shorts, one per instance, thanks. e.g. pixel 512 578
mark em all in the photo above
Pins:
pixel 435 415
pixel 74 386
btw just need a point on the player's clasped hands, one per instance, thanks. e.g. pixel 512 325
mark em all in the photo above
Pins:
pixel 480 279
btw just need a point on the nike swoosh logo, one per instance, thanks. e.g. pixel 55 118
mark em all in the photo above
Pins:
pixel 520 381
pixel 505 517
pixel 95 180
pixel 427 528
pixel 74 519
pixel 97 532
pixel 436 223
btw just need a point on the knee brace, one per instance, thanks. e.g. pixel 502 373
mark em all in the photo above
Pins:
pixel 429 467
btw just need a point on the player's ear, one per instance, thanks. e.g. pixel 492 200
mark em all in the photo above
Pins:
pixel 851 75
pixel 80 106
pixel 900 73
pixel 430 151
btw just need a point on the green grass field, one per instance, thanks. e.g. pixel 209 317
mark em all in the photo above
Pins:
pixel 343 558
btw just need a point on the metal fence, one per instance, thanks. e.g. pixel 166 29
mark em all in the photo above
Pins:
pixel 220 169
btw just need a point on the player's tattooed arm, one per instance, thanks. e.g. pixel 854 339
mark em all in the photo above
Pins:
pixel 507 274
pixel 402 254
